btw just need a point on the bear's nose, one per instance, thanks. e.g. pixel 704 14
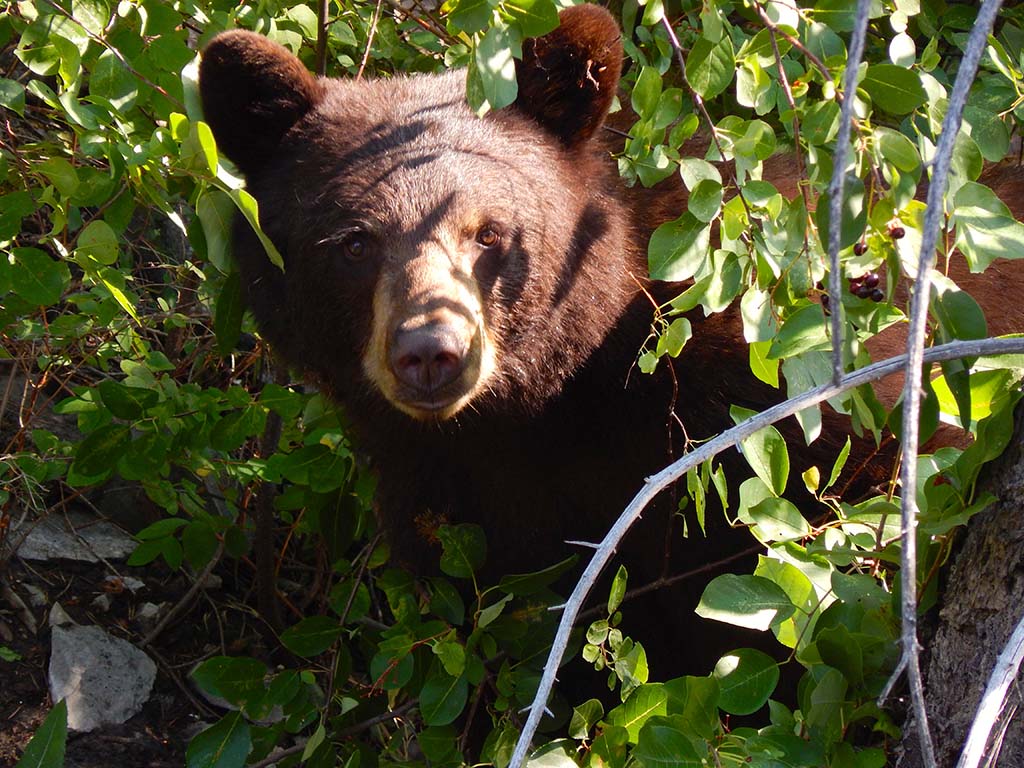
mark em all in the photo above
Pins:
pixel 428 357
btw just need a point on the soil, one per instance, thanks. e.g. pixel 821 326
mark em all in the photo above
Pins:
pixel 175 712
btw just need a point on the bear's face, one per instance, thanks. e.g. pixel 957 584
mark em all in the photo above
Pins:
pixel 433 259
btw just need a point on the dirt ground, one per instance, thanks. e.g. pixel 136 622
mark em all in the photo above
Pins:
pixel 158 735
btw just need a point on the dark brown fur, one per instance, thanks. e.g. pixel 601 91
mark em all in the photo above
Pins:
pixel 559 439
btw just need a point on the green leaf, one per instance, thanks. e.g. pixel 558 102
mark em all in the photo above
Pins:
pixel 495 58
pixel 46 748
pixel 61 174
pixel 216 213
pixel 99 452
pixel 227 318
pixel 98 241
pixel 12 95
pixel 618 590
pixel 464 549
pixel 237 679
pixel 530 583
pixel 894 89
pixel 534 17
pixel 764 368
pixel 696 699
pixel 746 678
pixel 765 452
pixel 126 402
pixel 710 66
pixel 853 212
pixel 744 601
pixel 705 201
pixel 663 742
pixel 199 150
pixel 584 718
pixel 645 702
pixel 985 228
pixel 199 543
pixel 471 16
pixel 452 656
pixel 442 697
pixel 646 91
pixel 804 330
pixel 677 249
pixel 311 636
pixel 776 520
pixel 112 81
pixel 840 462
pixel 897 149
pixel 37 278
pixel 247 204
pixel 224 745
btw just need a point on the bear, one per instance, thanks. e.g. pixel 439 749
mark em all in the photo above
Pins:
pixel 473 292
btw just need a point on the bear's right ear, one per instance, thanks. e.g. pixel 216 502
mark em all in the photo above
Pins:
pixel 568 78
pixel 253 90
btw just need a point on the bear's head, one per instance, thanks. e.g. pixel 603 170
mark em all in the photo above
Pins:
pixel 433 260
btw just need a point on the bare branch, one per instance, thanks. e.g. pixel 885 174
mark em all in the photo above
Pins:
pixel 991 704
pixel 915 360
pixel 837 187
pixel 658 482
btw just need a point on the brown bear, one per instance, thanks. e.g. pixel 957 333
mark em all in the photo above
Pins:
pixel 474 292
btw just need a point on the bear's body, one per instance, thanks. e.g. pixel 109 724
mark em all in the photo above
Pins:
pixel 474 292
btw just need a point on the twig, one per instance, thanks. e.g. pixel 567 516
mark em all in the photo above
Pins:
pixel 321 37
pixel 193 590
pixel 991 704
pixel 658 482
pixel 836 188
pixel 699 101
pixel 909 660
pixel 369 40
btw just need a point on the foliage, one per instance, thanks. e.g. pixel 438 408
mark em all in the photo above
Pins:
pixel 122 307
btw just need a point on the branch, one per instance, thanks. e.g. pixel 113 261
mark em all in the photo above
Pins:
pixel 658 482
pixel 836 188
pixel 915 356
pixel 991 704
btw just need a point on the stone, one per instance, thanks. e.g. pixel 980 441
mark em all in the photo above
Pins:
pixel 76 536
pixel 105 680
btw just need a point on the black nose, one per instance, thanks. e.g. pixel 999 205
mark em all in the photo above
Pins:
pixel 428 357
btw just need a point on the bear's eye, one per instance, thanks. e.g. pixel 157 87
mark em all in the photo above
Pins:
pixel 488 237
pixel 355 246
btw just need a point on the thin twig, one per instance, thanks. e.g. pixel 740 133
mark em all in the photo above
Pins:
pixel 909 660
pixel 193 590
pixel 837 187
pixel 658 482
pixel 699 102
pixel 321 37
pixel 991 704
pixel 369 40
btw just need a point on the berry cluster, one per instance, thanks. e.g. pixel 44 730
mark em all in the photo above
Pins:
pixel 866 287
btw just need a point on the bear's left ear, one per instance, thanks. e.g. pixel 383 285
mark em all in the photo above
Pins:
pixel 253 90
pixel 568 78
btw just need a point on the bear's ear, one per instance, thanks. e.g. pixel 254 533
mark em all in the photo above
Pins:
pixel 253 90
pixel 568 78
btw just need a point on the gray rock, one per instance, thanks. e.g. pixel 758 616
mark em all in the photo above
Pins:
pixel 104 679
pixel 77 537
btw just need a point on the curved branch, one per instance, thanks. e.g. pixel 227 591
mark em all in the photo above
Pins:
pixel 658 482
pixel 915 357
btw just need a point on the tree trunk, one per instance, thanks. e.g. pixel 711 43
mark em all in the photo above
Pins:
pixel 983 603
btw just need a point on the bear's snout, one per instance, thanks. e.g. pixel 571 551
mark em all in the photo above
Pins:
pixel 427 358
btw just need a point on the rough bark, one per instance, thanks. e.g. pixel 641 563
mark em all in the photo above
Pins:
pixel 983 602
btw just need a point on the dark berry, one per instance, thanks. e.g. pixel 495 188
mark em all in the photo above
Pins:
pixel 824 300
pixel 862 291
pixel 897 232
pixel 870 280
pixel 860 248
pixel 877 295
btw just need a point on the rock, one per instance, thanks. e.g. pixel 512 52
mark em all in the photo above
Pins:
pixel 101 602
pixel 59 617
pixel 36 597
pixel 121 583
pixel 104 679
pixel 77 536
